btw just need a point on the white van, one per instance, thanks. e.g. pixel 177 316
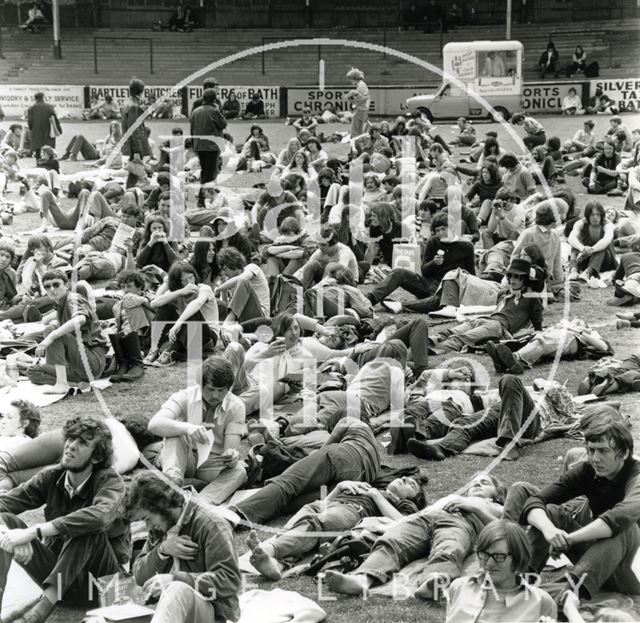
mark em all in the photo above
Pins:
pixel 491 69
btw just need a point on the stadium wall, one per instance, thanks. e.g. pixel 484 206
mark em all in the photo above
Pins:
pixel 539 97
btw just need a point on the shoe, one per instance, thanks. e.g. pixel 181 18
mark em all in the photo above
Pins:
pixel 626 316
pixel 121 370
pixel 585 275
pixel 573 275
pixel 165 359
pixel 135 372
pixel 632 287
pixel 623 324
pixel 490 348
pixel 151 357
pixel 395 307
pixel 616 192
pixel 509 360
pixel 429 451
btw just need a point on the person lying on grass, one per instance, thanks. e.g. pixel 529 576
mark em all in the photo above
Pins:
pixel 341 510
pixel 446 530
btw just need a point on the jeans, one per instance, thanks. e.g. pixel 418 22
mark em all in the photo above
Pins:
pixel 65 352
pixel 504 420
pixel 604 564
pixel 597 263
pixel 244 302
pixel 533 140
pixel 80 144
pixel 179 603
pixel 446 537
pixel 169 314
pixel 415 335
pixel 412 282
pixel 358 122
pixel 66 564
pixel 315 517
pixel 326 466
pixel 470 333
pixel 177 459
pixel 31 457
pixel 545 346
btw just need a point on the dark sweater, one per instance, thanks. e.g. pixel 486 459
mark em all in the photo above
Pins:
pixel 616 502
pixel 458 254
pixel 516 314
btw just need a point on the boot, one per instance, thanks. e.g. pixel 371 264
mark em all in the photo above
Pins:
pixel 131 347
pixel 122 363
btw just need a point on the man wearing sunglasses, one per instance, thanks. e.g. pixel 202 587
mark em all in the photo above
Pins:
pixel 74 347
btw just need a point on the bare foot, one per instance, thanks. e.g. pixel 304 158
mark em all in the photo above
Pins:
pixel 266 565
pixel 57 389
pixel 347 584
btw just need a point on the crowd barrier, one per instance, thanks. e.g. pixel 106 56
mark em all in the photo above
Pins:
pixel 386 101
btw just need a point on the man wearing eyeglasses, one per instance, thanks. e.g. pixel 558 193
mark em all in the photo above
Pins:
pixel 74 347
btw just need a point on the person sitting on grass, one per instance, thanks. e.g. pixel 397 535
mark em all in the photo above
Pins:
pixel 445 530
pixel 342 509
pixel 516 308
pixel 133 316
pixel 610 376
pixel 19 422
pixel 84 536
pixel 188 421
pixel 246 285
pixel 179 300
pixel 155 248
pixel 189 560
pixel 74 347
pixel 500 592
pixel 602 544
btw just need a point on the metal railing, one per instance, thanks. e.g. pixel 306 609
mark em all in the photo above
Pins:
pixel 149 40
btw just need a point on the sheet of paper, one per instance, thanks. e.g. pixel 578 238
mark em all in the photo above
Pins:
pixel 204 449
pixel 122 612
pixel 124 232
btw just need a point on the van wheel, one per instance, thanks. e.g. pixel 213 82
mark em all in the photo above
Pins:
pixel 500 114
pixel 427 113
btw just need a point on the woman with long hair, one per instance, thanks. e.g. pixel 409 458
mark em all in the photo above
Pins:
pixel 256 147
pixel 155 247
pixel 384 228
pixel 178 300
pixel 302 166
pixel 286 156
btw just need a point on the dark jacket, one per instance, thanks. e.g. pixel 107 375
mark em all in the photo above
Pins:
pixel 206 120
pixel 137 143
pixel 95 509
pixel 38 117
pixel 213 572
pixel 458 254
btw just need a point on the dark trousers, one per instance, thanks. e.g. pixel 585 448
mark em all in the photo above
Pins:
pixel 504 420
pixel 415 335
pixel 169 314
pixel 325 466
pixel 402 278
pixel 533 140
pixel 66 564
pixel 209 170
pixel 604 564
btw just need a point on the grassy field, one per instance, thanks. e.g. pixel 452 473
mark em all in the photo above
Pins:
pixel 539 464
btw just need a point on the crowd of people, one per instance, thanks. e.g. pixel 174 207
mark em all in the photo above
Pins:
pixel 286 303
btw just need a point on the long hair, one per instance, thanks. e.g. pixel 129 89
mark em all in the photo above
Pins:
pixel 174 278
pixel 115 130
pixel 387 215
pixel 589 209
pixel 147 228
pixel 200 251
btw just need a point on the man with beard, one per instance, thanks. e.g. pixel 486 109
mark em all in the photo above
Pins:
pixel 84 535
pixel 189 561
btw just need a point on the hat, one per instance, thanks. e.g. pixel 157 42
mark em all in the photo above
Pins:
pixel 519 267
pixel 224 214
pixel 589 123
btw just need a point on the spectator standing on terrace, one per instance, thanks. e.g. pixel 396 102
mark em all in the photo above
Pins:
pixel 39 119
pixel 359 98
